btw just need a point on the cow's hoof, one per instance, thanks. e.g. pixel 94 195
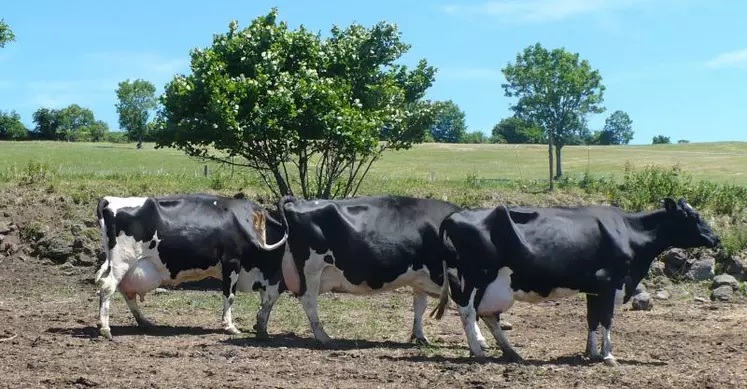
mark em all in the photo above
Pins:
pixel 480 356
pixel 506 326
pixel 611 361
pixel 420 341
pixel 261 333
pixel 484 345
pixel 232 330
pixel 513 357
pixel 106 333
pixel 145 323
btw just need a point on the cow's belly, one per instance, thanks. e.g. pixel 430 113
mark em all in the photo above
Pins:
pixel 333 280
pixel 534 297
pixel 498 296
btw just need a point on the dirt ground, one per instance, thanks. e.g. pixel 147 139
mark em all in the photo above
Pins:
pixel 49 339
pixel 50 310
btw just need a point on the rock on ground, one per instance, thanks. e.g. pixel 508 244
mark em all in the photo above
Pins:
pixel 657 269
pixel 725 279
pixel 642 302
pixel 662 294
pixel 722 293
pixel 674 261
pixel 736 267
pixel 702 269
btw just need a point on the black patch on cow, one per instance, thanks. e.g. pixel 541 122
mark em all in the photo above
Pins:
pixel 328 259
pixel 152 244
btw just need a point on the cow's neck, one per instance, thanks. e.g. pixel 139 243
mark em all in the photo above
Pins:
pixel 647 239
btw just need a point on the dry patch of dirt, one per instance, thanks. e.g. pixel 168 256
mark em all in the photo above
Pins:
pixel 51 311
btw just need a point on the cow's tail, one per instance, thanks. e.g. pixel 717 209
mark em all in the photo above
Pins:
pixel 281 209
pixel 290 269
pixel 104 270
pixel 262 244
pixel 443 300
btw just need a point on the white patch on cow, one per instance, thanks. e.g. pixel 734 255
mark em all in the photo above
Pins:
pixel 333 279
pixel 620 295
pixel 227 304
pixel 499 296
pixel 607 344
pixel 419 304
pixel 215 203
pixel 114 205
pixel 534 297
pixel 592 349
pixel 290 272
pixel 247 279
pixel 469 323
pixel 117 203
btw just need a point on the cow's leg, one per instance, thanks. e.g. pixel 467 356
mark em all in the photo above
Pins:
pixel 230 276
pixel 469 322
pixel 267 297
pixel 309 301
pixel 419 304
pixel 593 320
pixel 480 338
pixel 492 321
pixel 607 311
pixel 108 284
pixel 141 320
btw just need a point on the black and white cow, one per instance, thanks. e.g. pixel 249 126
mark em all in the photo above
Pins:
pixel 153 241
pixel 494 257
pixel 364 245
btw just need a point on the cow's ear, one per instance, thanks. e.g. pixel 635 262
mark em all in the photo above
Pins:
pixel 670 205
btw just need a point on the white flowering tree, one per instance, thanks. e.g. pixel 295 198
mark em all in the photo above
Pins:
pixel 310 114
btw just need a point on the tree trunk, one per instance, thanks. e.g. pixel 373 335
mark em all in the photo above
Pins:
pixel 558 166
pixel 549 154
pixel 282 185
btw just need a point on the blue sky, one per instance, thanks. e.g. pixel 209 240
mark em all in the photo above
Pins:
pixel 678 67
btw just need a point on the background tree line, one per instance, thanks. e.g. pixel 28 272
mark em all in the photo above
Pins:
pixel 74 123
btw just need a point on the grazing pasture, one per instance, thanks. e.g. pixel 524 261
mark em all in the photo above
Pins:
pixel 48 305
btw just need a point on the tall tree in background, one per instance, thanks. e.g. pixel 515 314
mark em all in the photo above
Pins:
pixel 11 126
pixel 136 100
pixel 309 114
pixel 72 123
pixel 6 34
pixel 45 121
pixel 71 119
pixel 450 126
pixel 515 130
pixel 556 90
pixel 618 129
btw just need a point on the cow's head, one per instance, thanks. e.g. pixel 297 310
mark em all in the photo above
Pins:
pixel 685 228
pixel 681 227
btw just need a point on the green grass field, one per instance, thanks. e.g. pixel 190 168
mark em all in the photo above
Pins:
pixel 720 162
